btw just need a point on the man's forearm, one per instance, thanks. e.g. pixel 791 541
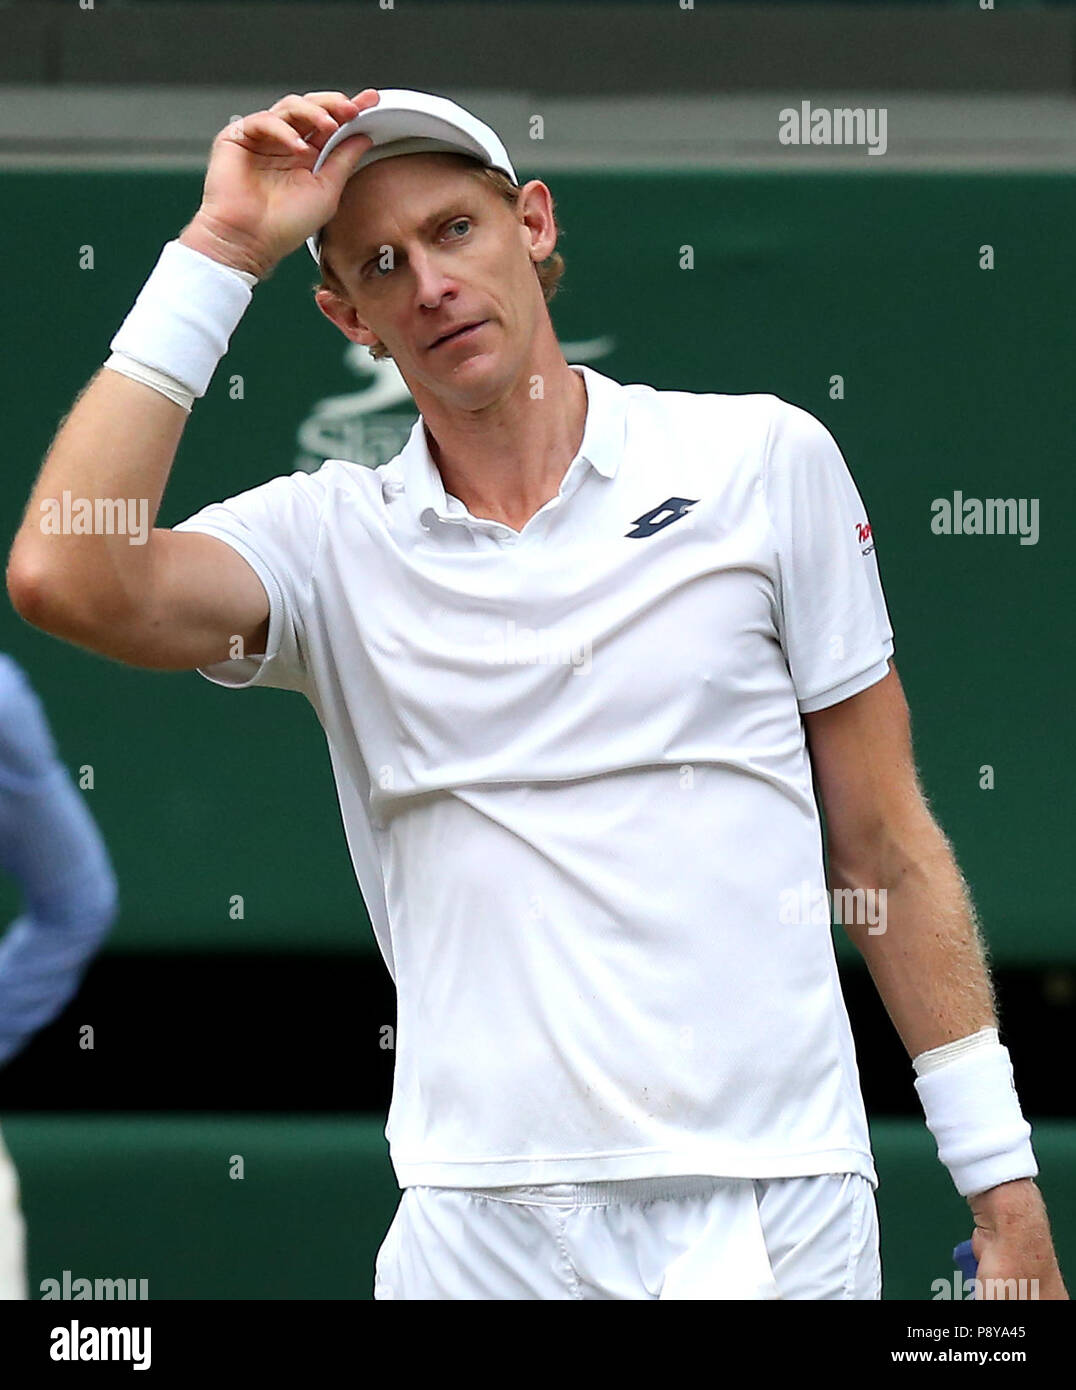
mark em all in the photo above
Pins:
pixel 82 559
pixel 115 447
pixel 929 963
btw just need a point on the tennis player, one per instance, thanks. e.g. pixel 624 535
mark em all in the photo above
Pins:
pixel 578 652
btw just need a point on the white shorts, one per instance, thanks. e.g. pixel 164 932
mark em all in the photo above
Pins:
pixel 647 1238
pixel 12 1231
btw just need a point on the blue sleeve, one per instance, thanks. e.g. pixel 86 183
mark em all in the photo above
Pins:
pixel 50 845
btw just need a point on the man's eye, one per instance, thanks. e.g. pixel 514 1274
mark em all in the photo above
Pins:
pixel 463 222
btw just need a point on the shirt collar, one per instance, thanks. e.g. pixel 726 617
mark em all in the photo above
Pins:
pixel 602 447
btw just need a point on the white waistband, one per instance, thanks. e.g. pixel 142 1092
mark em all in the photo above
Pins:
pixel 598 1194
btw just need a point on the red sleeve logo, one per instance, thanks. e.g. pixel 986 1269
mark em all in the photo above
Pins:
pixel 865 537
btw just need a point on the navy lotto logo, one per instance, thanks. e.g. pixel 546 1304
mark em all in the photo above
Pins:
pixel 656 520
pixel 864 536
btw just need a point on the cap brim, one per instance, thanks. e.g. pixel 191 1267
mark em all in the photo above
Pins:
pixel 403 115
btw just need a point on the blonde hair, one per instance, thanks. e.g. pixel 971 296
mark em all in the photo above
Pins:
pixel 549 271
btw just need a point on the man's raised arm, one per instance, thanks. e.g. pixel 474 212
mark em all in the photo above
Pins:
pixel 153 597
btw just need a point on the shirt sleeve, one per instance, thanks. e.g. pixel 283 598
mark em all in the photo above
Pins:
pixel 832 615
pixel 275 527
pixel 52 848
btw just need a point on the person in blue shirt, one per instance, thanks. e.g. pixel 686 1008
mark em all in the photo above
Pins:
pixel 51 846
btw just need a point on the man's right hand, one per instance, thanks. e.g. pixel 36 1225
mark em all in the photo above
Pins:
pixel 261 199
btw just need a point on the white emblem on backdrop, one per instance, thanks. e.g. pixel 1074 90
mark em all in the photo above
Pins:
pixel 371 425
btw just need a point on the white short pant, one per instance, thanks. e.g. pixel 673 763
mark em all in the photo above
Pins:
pixel 647 1238
pixel 12 1231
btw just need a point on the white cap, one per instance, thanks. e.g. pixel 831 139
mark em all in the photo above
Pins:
pixel 406 122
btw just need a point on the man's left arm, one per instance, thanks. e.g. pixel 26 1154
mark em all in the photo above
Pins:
pixel 929 963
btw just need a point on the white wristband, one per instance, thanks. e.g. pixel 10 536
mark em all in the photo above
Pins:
pixel 186 313
pixel 972 1109
pixel 938 1056
pixel 150 376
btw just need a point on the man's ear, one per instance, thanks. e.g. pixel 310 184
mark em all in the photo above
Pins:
pixel 535 210
pixel 342 313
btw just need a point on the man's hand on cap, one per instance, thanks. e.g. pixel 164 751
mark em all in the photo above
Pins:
pixel 261 198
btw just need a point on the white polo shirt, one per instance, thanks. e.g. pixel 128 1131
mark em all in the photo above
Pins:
pixel 575 785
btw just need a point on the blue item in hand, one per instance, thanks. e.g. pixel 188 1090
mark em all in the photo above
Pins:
pixel 964 1259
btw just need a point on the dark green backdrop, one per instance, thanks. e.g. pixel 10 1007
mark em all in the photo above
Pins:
pixel 955 378
pixel 152 1197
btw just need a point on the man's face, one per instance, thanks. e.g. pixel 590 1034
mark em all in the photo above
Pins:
pixel 426 246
